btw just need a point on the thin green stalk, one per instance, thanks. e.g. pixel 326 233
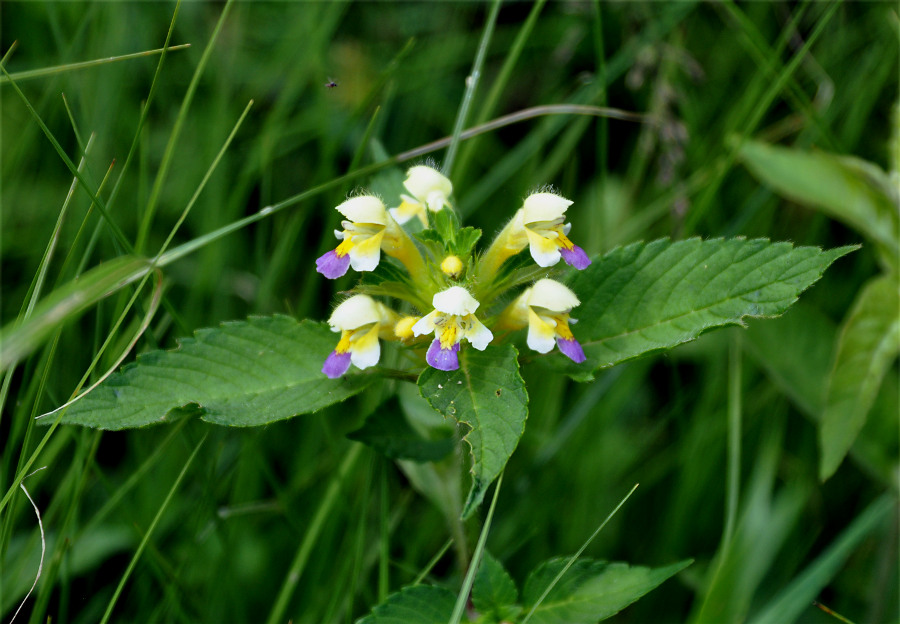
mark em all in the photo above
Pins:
pixel 169 153
pixel 384 542
pixel 575 557
pixel 150 530
pixel 471 84
pixel 206 177
pixel 145 109
pixel 748 126
pixel 326 506
pixel 57 69
pixel 463 597
pixel 433 562
pixel 499 84
pixel 735 404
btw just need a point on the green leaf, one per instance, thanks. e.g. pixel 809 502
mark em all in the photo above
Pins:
pixel 590 590
pixel 464 241
pixel 651 296
pixel 242 374
pixel 494 593
pixel 419 604
pixel 447 225
pixel 17 341
pixel 846 188
pixel 488 394
pixel 387 431
pixel 867 345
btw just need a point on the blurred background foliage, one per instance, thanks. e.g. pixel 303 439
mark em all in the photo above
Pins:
pixel 226 539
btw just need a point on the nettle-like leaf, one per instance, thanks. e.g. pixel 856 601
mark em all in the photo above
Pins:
pixel 651 296
pixel 419 604
pixel 866 347
pixel 589 591
pixel 494 593
pixel 240 374
pixel 486 393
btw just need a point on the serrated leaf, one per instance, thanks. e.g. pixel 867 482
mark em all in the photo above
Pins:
pixel 494 593
pixel 590 590
pixel 241 374
pixel 446 223
pixel 419 604
pixel 650 296
pixel 867 345
pixel 488 394
pixel 849 189
pixel 387 431
pixel 464 241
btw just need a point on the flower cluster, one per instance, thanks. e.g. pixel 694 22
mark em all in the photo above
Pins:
pixel 444 278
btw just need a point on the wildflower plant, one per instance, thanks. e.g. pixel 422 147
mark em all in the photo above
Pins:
pixel 433 307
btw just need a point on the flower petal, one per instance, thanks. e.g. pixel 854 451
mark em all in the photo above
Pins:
pixel 365 350
pixel 551 295
pixel 332 265
pixel 408 209
pixel 365 255
pixel 424 181
pixel 571 349
pixel 425 325
pixel 541 334
pixel 364 209
pixel 354 313
pixel 477 334
pixel 455 300
pixel 443 359
pixel 575 257
pixel 544 207
pixel 544 250
pixel 336 364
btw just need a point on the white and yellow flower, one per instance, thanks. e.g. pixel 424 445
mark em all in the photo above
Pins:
pixel 428 188
pixel 539 225
pixel 368 230
pixel 544 309
pixel 361 321
pixel 452 320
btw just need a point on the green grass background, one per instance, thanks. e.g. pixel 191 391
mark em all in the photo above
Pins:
pixel 226 538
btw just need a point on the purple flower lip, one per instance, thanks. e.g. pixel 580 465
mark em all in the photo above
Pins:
pixel 443 359
pixel 336 364
pixel 575 257
pixel 571 349
pixel 331 265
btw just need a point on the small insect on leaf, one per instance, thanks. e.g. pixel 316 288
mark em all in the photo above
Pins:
pixel 331 84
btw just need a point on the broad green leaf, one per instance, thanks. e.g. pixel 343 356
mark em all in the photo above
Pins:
pixel 66 303
pixel 487 394
pixel 241 374
pixel 419 604
pixel 387 431
pixel 494 594
pixel 867 345
pixel 846 188
pixel 590 590
pixel 651 296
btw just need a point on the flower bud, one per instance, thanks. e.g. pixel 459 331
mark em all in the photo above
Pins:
pixel 452 267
